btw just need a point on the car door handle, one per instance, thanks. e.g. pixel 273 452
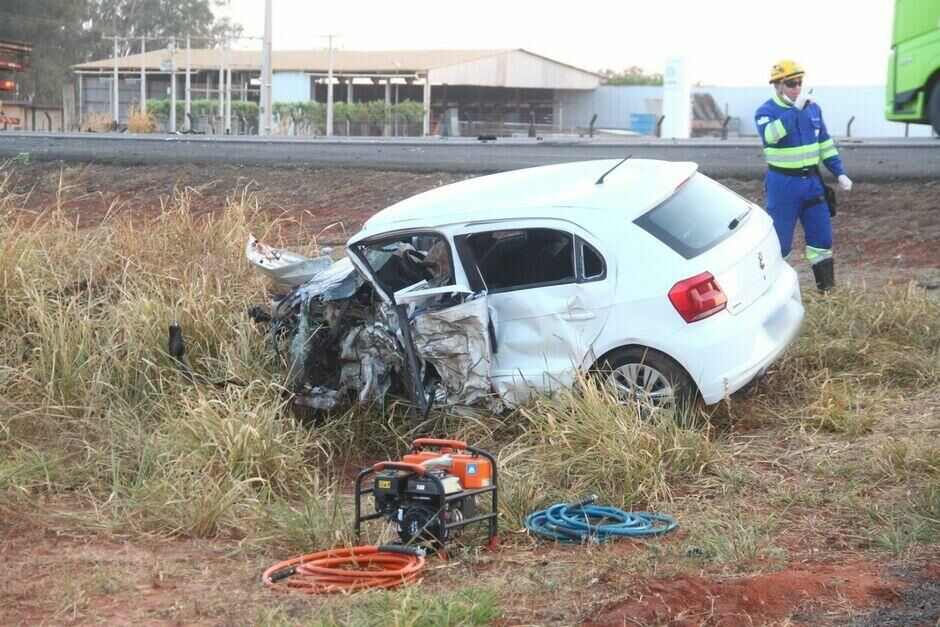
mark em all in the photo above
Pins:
pixel 581 315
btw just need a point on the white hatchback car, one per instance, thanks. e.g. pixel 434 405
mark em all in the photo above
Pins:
pixel 646 270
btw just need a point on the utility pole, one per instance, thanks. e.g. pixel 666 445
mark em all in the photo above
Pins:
pixel 172 84
pixel 264 126
pixel 349 100
pixel 143 75
pixel 228 86
pixel 188 121
pixel 329 87
pixel 115 94
pixel 222 86
pixel 426 123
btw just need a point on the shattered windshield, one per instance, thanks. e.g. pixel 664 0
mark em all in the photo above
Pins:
pixel 404 261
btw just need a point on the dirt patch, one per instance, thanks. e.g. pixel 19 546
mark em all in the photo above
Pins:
pixel 329 204
pixel 60 576
pixel 884 232
pixel 919 602
pixel 792 593
pixel 71 576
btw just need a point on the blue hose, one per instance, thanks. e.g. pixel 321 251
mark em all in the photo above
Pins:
pixel 580 522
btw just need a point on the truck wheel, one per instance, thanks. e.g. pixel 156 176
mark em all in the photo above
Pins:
pixel 934 106
pixel 648 379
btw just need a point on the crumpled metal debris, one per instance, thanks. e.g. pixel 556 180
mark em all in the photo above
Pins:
pixel 319 398
pixel 343 341
pixel 369 357
pixel 456 341
pixel 335 282
pixel 283 266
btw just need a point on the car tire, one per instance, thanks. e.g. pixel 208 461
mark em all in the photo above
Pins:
pixel 648 378
pixel 933 106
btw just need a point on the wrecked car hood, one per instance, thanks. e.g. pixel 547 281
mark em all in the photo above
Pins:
pixel 283 266
pixel 343 342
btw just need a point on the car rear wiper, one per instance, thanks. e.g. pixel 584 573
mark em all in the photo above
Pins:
pixel 734 223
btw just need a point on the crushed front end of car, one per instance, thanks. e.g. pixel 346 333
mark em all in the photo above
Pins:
pixel 337 342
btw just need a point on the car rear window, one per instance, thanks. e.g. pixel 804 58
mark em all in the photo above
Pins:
pixel 699 216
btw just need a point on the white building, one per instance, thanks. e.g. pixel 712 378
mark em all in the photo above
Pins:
pixel 489 88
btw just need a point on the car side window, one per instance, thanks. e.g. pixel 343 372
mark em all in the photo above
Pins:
pixel 592 266
pixel 517 259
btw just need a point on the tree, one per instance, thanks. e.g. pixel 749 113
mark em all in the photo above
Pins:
pixel 66 32
pixel 633 75
pixel 55 30
pixel 155 18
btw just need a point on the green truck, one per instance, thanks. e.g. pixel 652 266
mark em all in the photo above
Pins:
pixel 914 64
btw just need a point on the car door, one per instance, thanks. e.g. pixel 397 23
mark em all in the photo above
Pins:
pixel 414 273
pixel 549 286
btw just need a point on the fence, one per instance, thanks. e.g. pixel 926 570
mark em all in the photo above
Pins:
pixel 355 119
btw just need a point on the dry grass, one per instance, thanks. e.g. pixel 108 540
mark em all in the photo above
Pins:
pixel 98 122
pixel 91 405
pixel 97 428
pixel 141 122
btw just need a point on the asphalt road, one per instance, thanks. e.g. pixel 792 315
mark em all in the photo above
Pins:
pixel 912 159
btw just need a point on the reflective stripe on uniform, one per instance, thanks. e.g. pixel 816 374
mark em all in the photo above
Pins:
pixel 774 132
pixel 815 255
pixel 781 102
pixel 796 157
pixel 827 149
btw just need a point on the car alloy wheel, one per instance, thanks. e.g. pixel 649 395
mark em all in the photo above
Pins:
pixel 647 379
pixel 643 385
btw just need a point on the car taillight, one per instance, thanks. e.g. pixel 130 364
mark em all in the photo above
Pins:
pixel 698 297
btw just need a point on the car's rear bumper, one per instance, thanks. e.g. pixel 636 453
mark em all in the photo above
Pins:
pixel 725 352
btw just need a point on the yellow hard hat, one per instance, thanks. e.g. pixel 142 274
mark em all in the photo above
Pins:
pixel 784 69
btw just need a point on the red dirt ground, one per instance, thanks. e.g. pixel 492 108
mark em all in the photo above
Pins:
pixel 62 577
pixel 791 593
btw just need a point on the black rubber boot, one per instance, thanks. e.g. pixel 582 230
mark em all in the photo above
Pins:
pixel 824 271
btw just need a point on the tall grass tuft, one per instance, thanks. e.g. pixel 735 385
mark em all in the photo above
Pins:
pixel 888 337
pixel 92 407
pixel 582 441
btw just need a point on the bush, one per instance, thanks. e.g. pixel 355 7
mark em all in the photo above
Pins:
pixel 161 109
pixel 374 112
pixel 411 112
pixel 246 110
pixel 141 122
pixel 308 115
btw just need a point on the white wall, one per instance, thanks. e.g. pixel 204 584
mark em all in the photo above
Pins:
pixel 290 87
pixel 514 68
pixel 614 104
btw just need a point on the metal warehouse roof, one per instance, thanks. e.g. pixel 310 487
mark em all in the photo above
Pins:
pixel 508 67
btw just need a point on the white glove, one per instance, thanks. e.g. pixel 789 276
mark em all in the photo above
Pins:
pixel 845 183
pixel 800 102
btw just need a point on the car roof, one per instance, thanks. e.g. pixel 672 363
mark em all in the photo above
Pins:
pixel 630 189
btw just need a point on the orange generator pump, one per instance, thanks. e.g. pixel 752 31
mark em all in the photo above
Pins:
pixel 431 495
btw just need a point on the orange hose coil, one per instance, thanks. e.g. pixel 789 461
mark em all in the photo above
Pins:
pixel 344 570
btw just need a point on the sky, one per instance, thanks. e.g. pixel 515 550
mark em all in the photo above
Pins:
pixel 723 42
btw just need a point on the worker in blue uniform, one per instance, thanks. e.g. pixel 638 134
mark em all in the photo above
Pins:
pixel 795 142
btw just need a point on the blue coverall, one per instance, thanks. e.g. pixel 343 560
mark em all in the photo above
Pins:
pixel 795 141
